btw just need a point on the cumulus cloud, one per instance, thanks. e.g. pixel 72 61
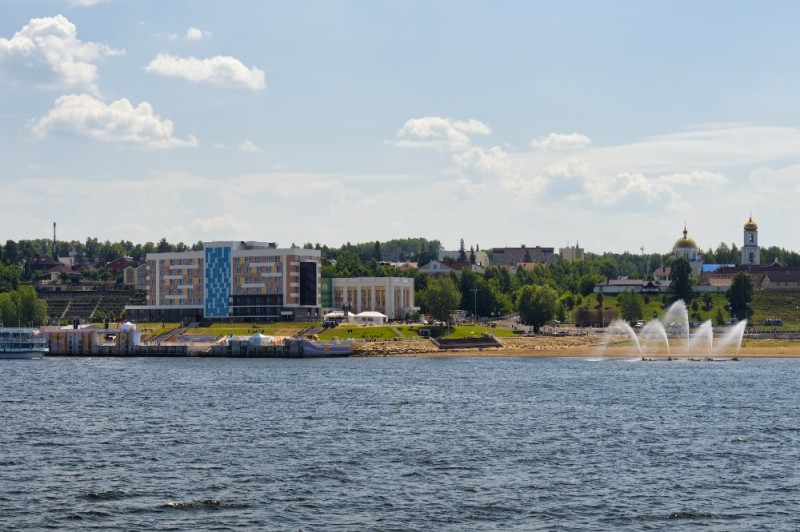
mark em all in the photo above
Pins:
pixel 624 187
pixel 224 71
pixel 561 142
pixel 248 146
pixel 578 178
pixel 118 122
pixel 439 133
pixel 48 50
pixel 195 34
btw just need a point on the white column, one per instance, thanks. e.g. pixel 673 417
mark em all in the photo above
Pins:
pixel 389 299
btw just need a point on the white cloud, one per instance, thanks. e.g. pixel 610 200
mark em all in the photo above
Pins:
pixel 466 189
pixel 248 146
pixel 712 148
pixel 439 133
pixel 627 187
pixel 118 122
pixel 226 223
pixel 224 71
pixel 780 177
pixel 492 161
pixel 48 50
pixel 577 178
pixel 194 34
pixel 702 178
pixel 561 142
pixel 86 3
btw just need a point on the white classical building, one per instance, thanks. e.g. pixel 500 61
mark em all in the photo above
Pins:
pixel 392 296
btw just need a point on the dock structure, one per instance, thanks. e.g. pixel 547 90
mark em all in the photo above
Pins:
pixel 99 341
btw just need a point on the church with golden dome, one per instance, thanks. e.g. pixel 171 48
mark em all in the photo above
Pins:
pixel 687 248
pixel 751 253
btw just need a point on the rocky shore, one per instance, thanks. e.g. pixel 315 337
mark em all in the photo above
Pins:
pixel 553 346
pixel 529 346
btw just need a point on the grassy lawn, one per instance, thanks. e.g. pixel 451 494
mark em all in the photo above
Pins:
pixel 652 306
pixel 149 328
pixel 244 329
pixel 775 304
pixel 766 304
pixel 391 332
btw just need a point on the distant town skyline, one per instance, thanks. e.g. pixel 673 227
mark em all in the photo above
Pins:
pixel 607 123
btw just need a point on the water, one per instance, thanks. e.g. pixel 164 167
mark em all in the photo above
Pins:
pixel 399 444
pixel 654 338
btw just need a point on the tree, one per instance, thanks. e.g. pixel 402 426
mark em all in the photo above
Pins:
pixel 681 285
pixel 441 298
pixel 377 254
pixel 11 252
pixel 462 252
pixel 471 255
pixel 708 300
pixel 739 295
pixel 22 307
pixel 163 246
pixel 587 283
pixel 536 305
pixel 10 277
pixel 630 304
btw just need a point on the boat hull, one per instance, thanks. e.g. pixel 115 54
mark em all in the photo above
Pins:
pixel 22 343
pixel 312 349
pixel 22 354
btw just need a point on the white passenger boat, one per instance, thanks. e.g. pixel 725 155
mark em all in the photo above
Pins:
pixel 22 342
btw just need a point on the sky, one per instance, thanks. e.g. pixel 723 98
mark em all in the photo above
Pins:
pixel 607 123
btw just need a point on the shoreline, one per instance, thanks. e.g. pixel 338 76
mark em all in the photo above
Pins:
pixel 562 347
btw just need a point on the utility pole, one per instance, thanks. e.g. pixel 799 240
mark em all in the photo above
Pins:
pixel 475 304
pixel 646 264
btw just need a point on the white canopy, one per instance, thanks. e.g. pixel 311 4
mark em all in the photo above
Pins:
pixel 371 316
pixel 337 314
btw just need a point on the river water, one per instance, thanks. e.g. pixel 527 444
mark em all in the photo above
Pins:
pixel 399 444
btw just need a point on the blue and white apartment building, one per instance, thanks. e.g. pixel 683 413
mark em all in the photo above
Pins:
pixel 241 281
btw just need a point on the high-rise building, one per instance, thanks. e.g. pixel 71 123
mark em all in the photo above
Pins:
pixel 243 281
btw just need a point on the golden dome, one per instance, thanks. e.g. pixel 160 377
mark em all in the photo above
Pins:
pixel 751 225
pixel 685 242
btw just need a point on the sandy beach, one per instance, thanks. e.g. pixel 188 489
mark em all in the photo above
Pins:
pixel 565 346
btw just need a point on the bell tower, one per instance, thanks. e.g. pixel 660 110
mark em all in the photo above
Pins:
pixel 751 253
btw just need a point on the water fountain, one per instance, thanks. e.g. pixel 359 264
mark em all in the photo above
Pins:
pixel 663 338
pixel 653 339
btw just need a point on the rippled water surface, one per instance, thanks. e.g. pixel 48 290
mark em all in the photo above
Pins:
pixel 399 443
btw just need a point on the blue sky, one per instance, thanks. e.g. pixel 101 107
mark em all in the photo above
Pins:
pixel 502 123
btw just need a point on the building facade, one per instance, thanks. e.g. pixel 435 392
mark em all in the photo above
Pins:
pixel 571 254
pixel 687 248
pixel 392 296
pixel 242 281
pixel 514 256
pixel 751 252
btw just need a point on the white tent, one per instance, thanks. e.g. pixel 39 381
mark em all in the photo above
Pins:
pixel 371 316
pixel 339 315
